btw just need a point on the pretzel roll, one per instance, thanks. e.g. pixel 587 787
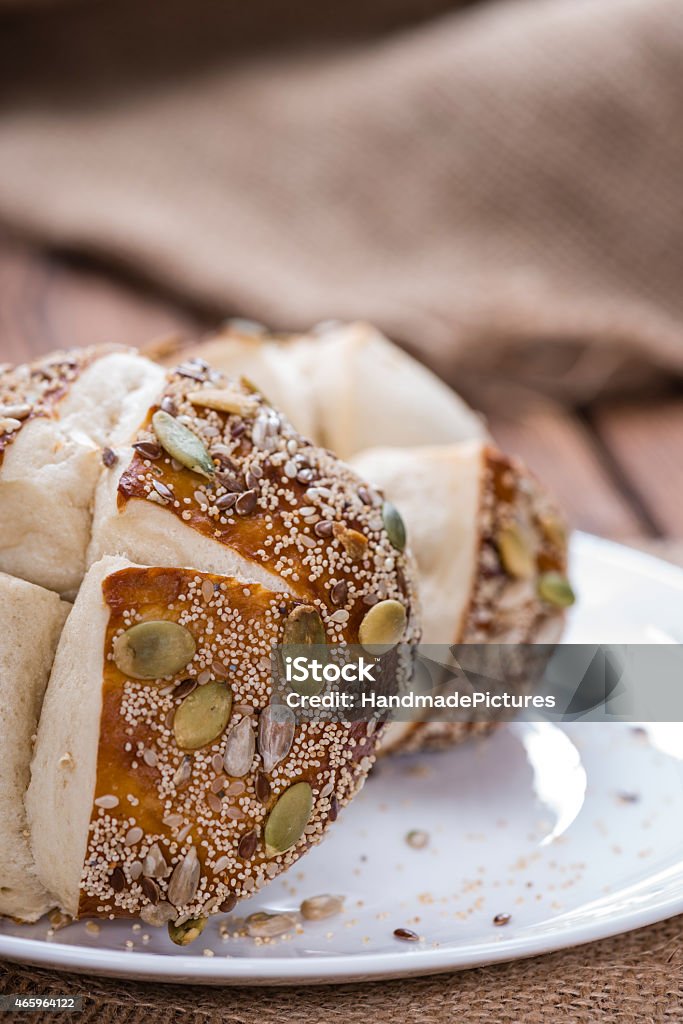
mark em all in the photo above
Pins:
pixel 30 623
pixel 491 553
pixel 164 784
pixel 345 385
pixel 55 416
pixel 218 479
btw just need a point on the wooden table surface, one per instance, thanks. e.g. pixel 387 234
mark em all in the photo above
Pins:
pixel 617 469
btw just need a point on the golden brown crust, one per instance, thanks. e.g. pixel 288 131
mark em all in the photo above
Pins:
pixel 276 499
pixel 503 608
pixel 153 805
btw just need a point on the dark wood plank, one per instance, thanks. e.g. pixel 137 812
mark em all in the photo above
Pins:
pixel 646 443
pixel 48 303
pixel 561 451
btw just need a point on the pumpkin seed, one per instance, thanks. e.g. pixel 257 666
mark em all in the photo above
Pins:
pixel 275 734
pixel 158 914
pixel 225 400
pixel 152 650
pixel 182 445
pixel 268 926
pixel 185 933
pixel 288 818
pixel 317 908
pixel 154 865
pixel 185 879
pixel 202 716
pixel 382 627
pixel 515 552
pixel 183 773
pixel 240 747
pixel 556 589
pixel 394 525
pixel 304 637
pixel 553 529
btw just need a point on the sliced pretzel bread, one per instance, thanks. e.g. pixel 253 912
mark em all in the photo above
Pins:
pixel 346 386
pixel 151 796
pixel 268 505
pixel 55 416
pixel 30 623
pixel 487 540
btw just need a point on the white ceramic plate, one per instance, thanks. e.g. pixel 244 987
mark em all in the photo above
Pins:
pixel 574 831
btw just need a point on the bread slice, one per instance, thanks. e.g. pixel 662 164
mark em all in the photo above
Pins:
pixel 346 386
pixel 171 796
pixel 56 415
pixel 265 504
pixel 487 539
pixel 30 623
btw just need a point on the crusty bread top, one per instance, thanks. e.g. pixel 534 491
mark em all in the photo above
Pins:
pixel 157 805
pixel 276 499
pixel 35 389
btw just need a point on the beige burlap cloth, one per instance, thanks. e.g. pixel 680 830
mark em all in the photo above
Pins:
pixel 497 185
pixel 632 979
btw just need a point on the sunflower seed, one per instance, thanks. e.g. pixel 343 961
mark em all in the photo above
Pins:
pixel 202 716
pixel 288 819
pixel 225 400
pixel 275 734
pixel 154 865
pixel 269 926
pixel 152 650
pixel 183 773
pixel 240 747
pixel 117 880
pixel 157 915
pixel 185 879
pixel 162 490
pixel 182 444
pixel 317 908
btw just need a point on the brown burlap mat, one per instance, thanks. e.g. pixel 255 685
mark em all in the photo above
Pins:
pixel 635 978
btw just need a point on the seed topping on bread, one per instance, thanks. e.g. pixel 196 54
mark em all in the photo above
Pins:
pixel 219 457
pixel 205 789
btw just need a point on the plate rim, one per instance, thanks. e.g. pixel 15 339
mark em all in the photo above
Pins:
pixel 367 966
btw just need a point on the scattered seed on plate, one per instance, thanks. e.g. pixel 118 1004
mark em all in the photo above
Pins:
pixel 417 839
pixel 501 919
pixel 406 935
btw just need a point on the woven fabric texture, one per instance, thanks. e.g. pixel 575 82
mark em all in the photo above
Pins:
pixel 496 185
